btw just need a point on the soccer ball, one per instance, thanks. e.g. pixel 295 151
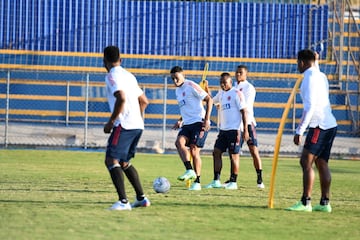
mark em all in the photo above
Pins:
pixel 161 185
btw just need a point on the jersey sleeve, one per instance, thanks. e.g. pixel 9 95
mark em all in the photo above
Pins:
pixel 308 94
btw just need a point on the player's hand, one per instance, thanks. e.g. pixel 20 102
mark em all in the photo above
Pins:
pixel 206 125
pixel 177 125
pixel 108 126
pixel 297 139
pixel 246 136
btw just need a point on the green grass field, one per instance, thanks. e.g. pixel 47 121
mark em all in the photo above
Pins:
pixel 65 195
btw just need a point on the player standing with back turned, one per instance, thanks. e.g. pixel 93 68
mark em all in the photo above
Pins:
pixel 127 102
pixel 317 114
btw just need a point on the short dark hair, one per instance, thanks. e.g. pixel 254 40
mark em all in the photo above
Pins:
pixel 306 55
pixel 225 74
pixel 176 69
pixel 242 66
pixel 112 54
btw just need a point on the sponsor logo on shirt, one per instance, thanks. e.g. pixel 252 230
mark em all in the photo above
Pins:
pixel 226 106
pixel 182 103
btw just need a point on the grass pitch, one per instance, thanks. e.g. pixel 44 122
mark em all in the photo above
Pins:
pixel 65 195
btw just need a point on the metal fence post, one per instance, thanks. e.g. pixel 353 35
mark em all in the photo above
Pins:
pixel 164 115
pixel 67 111
pixel 86 111
pixel 6 140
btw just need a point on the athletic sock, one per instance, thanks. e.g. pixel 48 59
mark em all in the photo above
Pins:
pixel 324 201
pixel 305 200
pixel 197 180
pixel 187 165
pixel 259 176
pixel 133 177
pixel 233 177
pixel 216 175
pixel 117 177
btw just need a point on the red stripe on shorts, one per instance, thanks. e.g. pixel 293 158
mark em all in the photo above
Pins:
pixel 116 136
pixel 315 136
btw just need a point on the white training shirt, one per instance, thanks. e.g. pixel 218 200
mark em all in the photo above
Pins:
pixel 249 92
pixel 231 102
pixel 120 79
pixel 190 96
pixel 314 91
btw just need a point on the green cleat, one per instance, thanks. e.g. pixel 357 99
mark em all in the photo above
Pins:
pixel 299 207
pixel 188 175
pixel 322 208
pixel 214 184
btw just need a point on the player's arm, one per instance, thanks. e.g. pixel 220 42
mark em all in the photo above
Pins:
pixel 309 100
pixel 209 104
pixel 244 121
pixel 143 102
pixel 118 108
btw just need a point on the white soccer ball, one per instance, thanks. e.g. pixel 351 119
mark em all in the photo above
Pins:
pixel 161 185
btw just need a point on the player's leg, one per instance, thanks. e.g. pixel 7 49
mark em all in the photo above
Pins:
pixel 195 154
pixel 133 137
pixel 181 143
pixel 254 151
pixel 116 173
pixel 217 162
pixel 197 141
pixel 306 162
pixel 312 149
pixel 325 178
pixel 233 144
pixel 324 171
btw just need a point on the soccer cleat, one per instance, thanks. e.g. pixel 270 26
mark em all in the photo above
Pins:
pixel 299 207
pixel 119 206
pixel 214 184
pixel 231 186
pixel 261 185
pixel 195 187
pixel 143 203
pixel 188 175
pixel 322 208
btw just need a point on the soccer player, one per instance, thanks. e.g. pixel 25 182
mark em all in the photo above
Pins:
pixel 232 107
pixel 317 115
pixel 194 124
pixel 127 102
pixel 249 92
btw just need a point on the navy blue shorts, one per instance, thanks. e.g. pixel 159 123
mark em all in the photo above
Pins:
pixel 252 136
pixel 194 133
pixel 319 142
pixel 228 139
pixel 122 143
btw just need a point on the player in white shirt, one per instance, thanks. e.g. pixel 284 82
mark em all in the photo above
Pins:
pixel 232 106
pixel 249 91
pixel 194 124
pixel 317 115
pixel 127 102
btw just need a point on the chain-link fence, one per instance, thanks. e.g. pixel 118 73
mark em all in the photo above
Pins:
pixel 43 110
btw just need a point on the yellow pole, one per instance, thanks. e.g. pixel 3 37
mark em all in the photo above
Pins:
pixel 278 141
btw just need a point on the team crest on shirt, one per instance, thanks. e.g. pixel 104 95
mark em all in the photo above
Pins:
pixel 229 98
pixel 183 94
